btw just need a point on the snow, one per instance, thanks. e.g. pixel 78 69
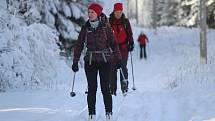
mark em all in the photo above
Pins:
pixel 33 16
pixel 66 10
pixel 67 25
pixel 171 85
pixel 75 11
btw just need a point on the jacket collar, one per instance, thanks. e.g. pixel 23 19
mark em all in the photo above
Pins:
pixel 102 21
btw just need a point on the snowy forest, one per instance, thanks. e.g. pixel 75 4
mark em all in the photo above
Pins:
pixel 64 18
pixel 37 39
pixel 170 12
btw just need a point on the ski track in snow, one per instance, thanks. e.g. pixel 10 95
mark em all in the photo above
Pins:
pixel 137 105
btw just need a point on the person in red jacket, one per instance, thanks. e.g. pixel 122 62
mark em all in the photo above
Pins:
pixel 142 39
pixel 124 38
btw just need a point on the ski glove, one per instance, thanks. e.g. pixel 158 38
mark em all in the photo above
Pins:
pixel 75 67
pixel 131 46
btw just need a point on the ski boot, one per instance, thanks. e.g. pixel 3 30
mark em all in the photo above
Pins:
pixel 124 87
pixel 92 118
pixel 109 116
pixel 113 92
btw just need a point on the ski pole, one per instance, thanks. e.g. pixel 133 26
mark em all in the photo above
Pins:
pixel 122 73
pixel 148 51
pixel 124 82
pixel 72 93
pixel 132 68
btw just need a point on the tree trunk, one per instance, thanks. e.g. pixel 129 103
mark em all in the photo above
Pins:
pixel 154 24
pixel 137 18
pixel 203 33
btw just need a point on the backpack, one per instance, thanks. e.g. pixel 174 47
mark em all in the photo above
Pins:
pixel 103 52
pixel 124 20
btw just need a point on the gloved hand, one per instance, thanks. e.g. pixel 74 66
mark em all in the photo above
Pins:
pixel 75 67
pixel 119 64
pixel 131 46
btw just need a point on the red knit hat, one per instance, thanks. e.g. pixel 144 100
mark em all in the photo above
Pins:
pixel 96 7
pixel 118 6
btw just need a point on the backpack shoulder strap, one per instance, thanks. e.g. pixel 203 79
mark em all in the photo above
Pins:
pixel 105 32
pixel 124 21
pixel 85 41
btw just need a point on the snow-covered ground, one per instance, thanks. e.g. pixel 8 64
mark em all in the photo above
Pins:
pixel 171 85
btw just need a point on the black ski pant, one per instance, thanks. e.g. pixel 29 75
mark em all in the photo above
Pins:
pixel 103 69
pixel 113 81
pixel 143 51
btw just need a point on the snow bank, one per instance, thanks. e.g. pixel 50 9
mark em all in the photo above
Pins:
pixel 29 57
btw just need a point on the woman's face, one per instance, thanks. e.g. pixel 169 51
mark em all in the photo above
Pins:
pixel 92 15
pixel 118 14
